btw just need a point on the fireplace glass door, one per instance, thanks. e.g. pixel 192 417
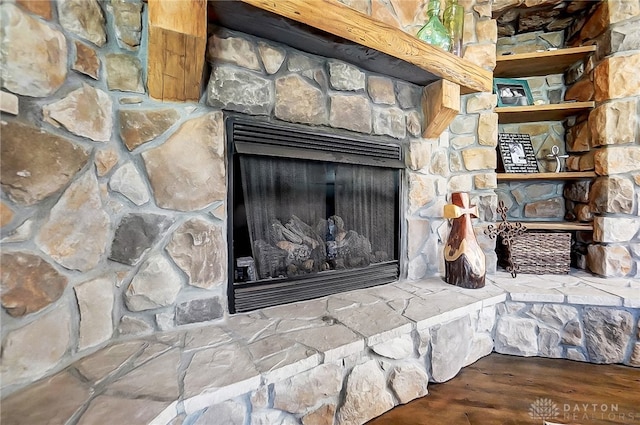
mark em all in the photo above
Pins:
pixel 304 228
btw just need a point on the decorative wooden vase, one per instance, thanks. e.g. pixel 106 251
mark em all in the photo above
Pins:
pixel 463 257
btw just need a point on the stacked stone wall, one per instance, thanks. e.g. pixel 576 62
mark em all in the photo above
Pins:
pixel 576 332
pixel 607 142
pixel 113 205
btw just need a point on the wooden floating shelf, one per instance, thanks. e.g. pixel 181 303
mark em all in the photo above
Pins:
pixel 557 225
pixel 569 175
pixel 330 29
pixel 539 63
pixel 548 112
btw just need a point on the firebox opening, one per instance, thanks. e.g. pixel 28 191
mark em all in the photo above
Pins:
pixel 311 214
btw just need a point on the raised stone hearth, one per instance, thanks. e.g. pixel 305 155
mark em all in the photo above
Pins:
pixel 306 362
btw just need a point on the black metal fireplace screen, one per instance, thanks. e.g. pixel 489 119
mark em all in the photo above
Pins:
pixel 310 213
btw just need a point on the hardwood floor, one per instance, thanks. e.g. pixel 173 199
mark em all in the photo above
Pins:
pixel 509 390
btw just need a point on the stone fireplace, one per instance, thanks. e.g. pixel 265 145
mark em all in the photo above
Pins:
pixel 310 213
pixel 86 151
pixel 148 180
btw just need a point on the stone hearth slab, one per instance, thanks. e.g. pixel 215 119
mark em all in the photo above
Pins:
pixel 577 288
pixel 158 377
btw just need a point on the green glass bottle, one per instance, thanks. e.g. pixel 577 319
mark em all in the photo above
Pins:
pixel 453 20
pixel 434 32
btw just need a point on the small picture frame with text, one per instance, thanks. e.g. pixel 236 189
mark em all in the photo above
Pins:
pixel 516 153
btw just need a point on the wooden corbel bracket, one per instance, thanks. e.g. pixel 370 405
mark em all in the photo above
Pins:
pixel 440 105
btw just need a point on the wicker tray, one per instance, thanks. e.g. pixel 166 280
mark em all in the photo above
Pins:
pixel 540 253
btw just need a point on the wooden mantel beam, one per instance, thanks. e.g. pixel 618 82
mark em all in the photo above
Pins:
pixel 177 44
pixel 340 20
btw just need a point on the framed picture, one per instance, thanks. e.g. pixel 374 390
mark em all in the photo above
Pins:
pixel 516 153
pixel 512 92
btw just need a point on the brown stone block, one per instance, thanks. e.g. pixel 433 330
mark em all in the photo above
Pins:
pixel 422 190
pixel 615 229
pixel 590 64
pixel 479 159
pixel 469 29
pixel 483 55
pixel 612 195
pixel 573 30
pixel 577 191
pixel 613 123
pixel 587 162
pixel 578 5
pixel 29 283
pixel 582 90
pixel 87 60
pixel 535 129
pixel 380 90
pixel 548 208
pixel 596 24
pixel 322 416
pixel 481 102
pixel 533 20
pixel 579 138
pixel 573 163
pixel 583 213
pixel 488 129
pixel 484 10
pixel 540 3
pixel 485 181
pixel 506 30
pixel 617 160
pixel 570 214
pixel 140 126
pixel 504 5
pixel 407 11
pixel 178 177
pixel 198 248
pixel 487 30
pixel 39 7
pixel 560 23
pixel 380 12
pixel 35 163
pixel 617 77
pixel 6 214
pixel 350 112
pixel 609 260
pixel 105 160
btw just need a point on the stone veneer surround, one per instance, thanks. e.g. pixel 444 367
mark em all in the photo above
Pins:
pixel 305 362
pixel 85 151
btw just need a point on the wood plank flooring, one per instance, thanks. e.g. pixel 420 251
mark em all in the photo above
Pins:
pixel 508 390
